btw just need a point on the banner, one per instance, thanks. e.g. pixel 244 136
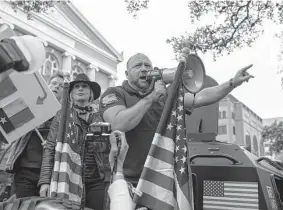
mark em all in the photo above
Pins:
pixel 25 103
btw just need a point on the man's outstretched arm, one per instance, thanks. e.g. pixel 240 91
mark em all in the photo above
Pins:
pixel 214 94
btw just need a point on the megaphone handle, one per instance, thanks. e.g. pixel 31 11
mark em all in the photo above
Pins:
pixel 189 112
pixel 149 90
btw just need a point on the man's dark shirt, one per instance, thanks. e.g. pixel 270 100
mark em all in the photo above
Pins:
pixel 139 138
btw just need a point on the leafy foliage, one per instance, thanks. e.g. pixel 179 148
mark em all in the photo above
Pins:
pixel 32 6
pixel 134 6
pixel 237 24
pixel 274 133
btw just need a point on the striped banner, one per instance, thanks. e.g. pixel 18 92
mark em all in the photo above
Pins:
pixel 224 195
pixel 14 115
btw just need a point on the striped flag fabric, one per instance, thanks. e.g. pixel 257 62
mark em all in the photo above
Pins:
pixel 7 88
pixel 14 115
pixel 230 195
pixel 165 182
pixel 66 181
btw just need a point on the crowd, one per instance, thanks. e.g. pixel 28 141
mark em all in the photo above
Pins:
pixel 80 171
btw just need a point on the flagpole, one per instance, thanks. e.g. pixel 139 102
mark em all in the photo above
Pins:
pixel 64 108
pixel 173 89
pixel 168 107
pixel 64 111
pixel 40 136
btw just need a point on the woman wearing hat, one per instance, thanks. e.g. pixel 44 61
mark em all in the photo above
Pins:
pixel 95 163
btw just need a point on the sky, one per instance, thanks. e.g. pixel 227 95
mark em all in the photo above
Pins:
pixel 148 33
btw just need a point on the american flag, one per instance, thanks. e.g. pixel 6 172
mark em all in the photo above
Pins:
pixel 165 182
pixel 228 195
pixel 66 179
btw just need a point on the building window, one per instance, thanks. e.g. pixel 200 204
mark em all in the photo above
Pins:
pixel 222 129
pixel 248 142
pixel 50 66
pixel 223 114
pixel 255 146
pixel 234 130
pixel 219 115
pixel 233 115
pixel 75 71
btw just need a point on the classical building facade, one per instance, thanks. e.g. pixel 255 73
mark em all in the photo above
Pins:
pixel 238 124
pixel 72 43
pixel 267 144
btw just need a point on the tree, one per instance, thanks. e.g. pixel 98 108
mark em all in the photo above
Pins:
pixel 236 24
pixel 36 6
pixel 274 134
pixel 134 6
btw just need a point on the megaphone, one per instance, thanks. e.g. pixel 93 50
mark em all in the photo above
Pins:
pixel 193 76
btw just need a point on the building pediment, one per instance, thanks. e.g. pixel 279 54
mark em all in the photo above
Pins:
pixel 66 17
pixel 58 16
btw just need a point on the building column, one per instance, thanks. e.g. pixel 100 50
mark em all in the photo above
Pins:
pixel 6 23
pixel 67 62
pixel 91 72
pixel 6 29
pixel 112 80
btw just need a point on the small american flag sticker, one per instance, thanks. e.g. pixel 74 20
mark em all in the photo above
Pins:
pixel 230 195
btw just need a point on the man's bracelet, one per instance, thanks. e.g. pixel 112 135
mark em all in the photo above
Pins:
pixel 231 84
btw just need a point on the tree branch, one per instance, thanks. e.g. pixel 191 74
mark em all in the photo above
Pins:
pixel 236 28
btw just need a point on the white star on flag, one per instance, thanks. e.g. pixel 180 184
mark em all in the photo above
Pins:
pixel 177 148
pixel 181 98
pixel 177 138
pixel 184 159
pixel 169 126
pixel 179 117
pixel 179 127
pixel 174 113
pixel 184 148
pixel 182 170
pixel 176 159
pixel 180 108
pixel 3 120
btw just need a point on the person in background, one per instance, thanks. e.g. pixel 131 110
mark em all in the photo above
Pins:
pixel 88 172
pixel 25 158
